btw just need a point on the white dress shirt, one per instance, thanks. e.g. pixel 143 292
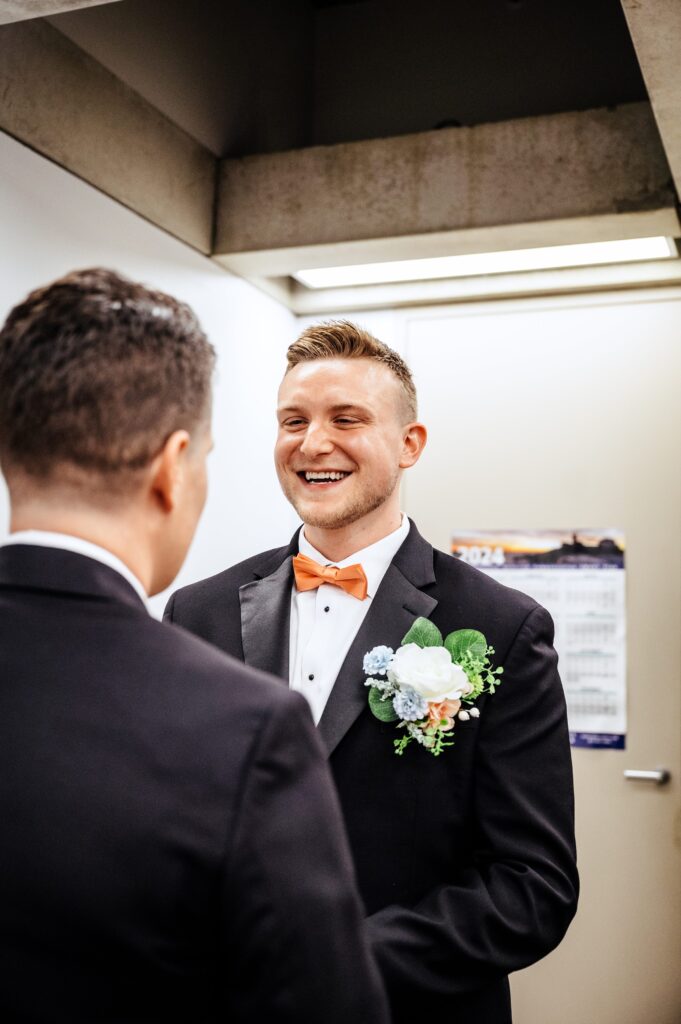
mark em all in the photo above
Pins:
pixel 66 542
pixel 325 621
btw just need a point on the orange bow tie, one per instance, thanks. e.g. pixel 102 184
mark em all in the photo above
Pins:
pixel 310 575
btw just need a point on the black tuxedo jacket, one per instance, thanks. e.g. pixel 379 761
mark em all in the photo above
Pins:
pixel 171 846
pixel 466 861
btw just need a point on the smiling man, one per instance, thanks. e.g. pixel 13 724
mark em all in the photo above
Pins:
pixel 466 861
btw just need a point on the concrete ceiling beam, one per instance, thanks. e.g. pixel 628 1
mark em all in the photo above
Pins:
pixel 59 101
pixel 655 27
pixel 579 176
pixel 21 10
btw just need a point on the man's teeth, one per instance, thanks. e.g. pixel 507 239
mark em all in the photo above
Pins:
pixel 324 475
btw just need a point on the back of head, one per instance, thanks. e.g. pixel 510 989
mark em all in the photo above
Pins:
pixel 96 372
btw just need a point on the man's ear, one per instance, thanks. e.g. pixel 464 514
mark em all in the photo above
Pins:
pixel 413 443
pixel 168 470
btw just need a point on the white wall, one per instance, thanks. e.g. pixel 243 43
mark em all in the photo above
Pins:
pixel 53 223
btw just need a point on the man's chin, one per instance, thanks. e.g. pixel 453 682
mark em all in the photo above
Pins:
pixel 313 513
pixel 331 518
pixel 324 520
pixel 322 516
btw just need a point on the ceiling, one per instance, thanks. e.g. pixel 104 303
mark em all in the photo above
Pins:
pixel 258 76
pixel 325 132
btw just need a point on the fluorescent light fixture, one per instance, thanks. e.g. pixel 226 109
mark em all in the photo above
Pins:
pixel 630 250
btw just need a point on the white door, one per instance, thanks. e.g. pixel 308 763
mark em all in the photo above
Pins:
pixel 560 414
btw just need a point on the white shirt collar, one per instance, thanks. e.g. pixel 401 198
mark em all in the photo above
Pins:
pixel 375 558
pixel 66 542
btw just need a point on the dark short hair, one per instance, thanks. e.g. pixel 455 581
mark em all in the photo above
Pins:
pixel 341 339
pixel 96 372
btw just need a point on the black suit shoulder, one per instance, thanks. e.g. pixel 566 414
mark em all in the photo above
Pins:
pixel 462 589
pixel 159 658
pixel 202 694
pixel 185 653
pixel 210 608
pixel 235 576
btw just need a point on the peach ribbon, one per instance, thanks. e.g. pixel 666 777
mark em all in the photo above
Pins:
pixel 310 575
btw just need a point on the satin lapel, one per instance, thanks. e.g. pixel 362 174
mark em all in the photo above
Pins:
pixel 265 621
pixel 397 603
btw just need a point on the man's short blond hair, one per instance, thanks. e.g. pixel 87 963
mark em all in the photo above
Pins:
pixel 341 339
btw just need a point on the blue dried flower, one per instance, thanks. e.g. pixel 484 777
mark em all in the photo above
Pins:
pixel 409 705
pixel 377 660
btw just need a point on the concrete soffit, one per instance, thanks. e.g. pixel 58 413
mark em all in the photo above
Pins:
pixel 448 191
pixel 21 10
pixel 586 176
pixel 580 176
pixel 655 28
pixel 62 103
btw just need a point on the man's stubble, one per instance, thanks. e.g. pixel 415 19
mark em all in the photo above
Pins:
pixel 362 506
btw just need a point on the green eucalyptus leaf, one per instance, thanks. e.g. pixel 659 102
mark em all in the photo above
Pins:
pixel 381 709
pixel 424 633
pixel 463 640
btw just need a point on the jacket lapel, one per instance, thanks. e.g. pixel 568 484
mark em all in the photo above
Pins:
pixel 265 617
pixel 398 601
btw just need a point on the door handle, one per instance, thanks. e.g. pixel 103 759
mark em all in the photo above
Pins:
pixel 659 776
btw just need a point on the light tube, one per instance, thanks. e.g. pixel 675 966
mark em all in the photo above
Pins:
pixel 630 250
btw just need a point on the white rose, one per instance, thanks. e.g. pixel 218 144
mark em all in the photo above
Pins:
pixel 430 671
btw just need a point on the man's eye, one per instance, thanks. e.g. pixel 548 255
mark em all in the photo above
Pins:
pixel 294 424
pixel 345 421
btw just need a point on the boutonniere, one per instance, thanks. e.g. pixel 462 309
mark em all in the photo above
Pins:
pixel 428 683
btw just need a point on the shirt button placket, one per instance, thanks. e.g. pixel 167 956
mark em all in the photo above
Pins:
pixel 309 665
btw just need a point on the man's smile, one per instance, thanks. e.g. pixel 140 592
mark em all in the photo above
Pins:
pixel 317 478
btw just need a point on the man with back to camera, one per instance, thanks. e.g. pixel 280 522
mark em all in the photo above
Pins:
pixel 171 845
pixel 466 859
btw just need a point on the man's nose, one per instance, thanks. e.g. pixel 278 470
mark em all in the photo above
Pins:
pixel 317 441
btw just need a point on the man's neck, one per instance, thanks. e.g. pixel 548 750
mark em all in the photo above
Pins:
pixel 341 543
pixel 120 538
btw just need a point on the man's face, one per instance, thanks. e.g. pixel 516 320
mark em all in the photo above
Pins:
pixel 340 446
